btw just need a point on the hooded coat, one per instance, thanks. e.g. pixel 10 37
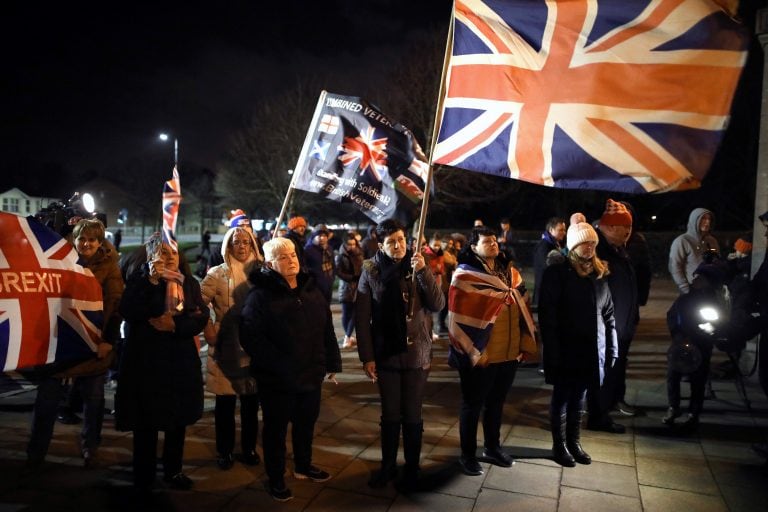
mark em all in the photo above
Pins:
pixel 288 333
pixel 227 364
pixel 577 326
pixel 687 250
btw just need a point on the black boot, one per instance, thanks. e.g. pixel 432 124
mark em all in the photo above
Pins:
pixel 560 453
pixel 412 434
pixel 573 438
pixel 390 440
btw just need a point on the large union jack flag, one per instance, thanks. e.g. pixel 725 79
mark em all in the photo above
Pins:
pixel 630 95
pixel 171 202
pixel 50 306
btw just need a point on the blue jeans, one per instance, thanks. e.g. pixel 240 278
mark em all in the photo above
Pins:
pixel 92 388
pixel 49 394
pixel 348 317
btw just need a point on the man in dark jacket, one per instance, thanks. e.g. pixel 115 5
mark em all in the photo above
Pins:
pixel 614 230
pixel 552 239
pixel 370 243
pixel 297 227
pixel 318 258
pixel 288 332
pixel 640 254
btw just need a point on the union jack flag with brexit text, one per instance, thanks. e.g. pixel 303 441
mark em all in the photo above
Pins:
pixel 630 96
pixel 50 306
pixel 171 201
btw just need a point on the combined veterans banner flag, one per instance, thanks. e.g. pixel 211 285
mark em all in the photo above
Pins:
pixel 50 306
pixel 630 96
pixel 171 201
pixel 354 153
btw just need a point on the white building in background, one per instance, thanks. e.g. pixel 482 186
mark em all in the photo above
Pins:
pixel 16 201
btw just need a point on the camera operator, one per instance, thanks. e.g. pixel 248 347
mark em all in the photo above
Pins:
pixel 695 320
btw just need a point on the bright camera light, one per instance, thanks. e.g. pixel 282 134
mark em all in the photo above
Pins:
pixel 709 314
pixel 163 137
pixel 88 203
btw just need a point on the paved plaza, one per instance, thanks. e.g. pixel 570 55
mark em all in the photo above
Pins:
pixel 651 468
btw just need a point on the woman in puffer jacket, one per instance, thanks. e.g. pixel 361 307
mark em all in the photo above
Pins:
pixel 224 289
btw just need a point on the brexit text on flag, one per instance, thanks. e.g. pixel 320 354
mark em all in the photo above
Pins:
pixel 50 306
pixel 171 201
pixel 356 154
pixel 630 96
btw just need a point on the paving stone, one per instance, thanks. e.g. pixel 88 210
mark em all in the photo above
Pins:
pixel 599 476
pixel 579 500
pixel 676 474
pixel 656 499
pixel 525 478
pixel 491 499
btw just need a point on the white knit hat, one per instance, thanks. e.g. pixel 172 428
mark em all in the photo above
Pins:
pixel 580 233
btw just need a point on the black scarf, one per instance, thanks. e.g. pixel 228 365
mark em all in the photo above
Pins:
pixel 395 276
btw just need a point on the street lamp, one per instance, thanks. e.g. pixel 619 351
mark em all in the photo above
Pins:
pixel 164 137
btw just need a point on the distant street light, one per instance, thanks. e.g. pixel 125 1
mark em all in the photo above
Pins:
pixel 164 137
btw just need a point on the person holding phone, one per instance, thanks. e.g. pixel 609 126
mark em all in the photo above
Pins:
pixel 161 384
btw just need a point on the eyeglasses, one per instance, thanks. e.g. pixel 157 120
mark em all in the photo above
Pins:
pixel 240 243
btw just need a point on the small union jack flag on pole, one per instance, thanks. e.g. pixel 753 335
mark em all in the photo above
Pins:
pixel 50 306
pixel 630 96
pixel 171 201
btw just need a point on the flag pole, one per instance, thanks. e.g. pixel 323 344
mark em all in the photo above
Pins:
pixel 435 125
pixel 300 163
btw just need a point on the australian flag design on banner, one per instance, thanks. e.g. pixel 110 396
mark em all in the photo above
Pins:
pixel 356 154
pixel 630 96
pixel 50 306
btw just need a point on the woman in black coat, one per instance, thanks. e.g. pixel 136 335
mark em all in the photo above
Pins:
pixel 578 329
pixel 160 385
pixel 287 330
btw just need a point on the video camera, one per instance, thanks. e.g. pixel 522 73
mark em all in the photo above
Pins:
pixel 62 216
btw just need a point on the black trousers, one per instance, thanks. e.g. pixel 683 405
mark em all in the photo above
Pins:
pixel 279 408
pixel 145 454
pixel 483 390
pixel 568 399
pixel 224 415
pixel 602 399
pixel 402 394
pixel 698 382
pixel 617 376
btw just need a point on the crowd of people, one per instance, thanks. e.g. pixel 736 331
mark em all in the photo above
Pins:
pixel 264 311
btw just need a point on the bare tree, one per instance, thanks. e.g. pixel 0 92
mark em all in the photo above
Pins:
pixel 255 174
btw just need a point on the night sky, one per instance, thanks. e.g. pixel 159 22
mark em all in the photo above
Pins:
pixel 90 84
pixel 87 86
